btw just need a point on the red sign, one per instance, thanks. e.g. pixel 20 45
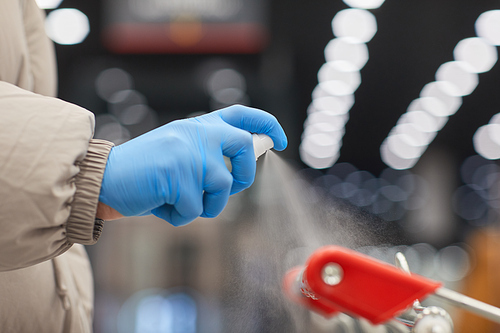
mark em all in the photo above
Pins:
pixel 185 26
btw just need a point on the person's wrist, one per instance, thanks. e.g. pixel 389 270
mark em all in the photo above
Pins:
pixel 106 213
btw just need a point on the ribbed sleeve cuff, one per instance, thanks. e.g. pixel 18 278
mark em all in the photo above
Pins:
pixel 82 227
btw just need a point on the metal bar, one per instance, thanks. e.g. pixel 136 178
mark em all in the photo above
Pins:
pixel 401 322
pixel 473 305
pixel 401 263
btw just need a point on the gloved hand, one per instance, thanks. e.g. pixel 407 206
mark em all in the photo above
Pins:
pixel 177 172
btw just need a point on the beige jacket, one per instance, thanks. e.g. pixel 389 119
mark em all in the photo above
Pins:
pixel 50 175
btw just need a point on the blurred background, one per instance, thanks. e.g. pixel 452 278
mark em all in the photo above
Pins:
pixel 390 109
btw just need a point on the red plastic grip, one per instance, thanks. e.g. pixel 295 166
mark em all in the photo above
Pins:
pixel 369 288
pixel 291 288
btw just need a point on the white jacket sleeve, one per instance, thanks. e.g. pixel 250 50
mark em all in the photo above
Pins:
pixel 50 175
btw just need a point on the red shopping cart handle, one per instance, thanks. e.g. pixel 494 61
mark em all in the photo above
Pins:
pixel 291 288
pixel 361 286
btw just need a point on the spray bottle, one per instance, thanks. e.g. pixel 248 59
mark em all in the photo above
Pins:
pixel 261 144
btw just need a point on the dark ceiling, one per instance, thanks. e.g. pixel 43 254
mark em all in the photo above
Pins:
pixel 414 38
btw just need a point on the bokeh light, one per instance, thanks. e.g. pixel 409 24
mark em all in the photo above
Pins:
pixel 393 160
pixel 123 99
pixel 485 177
pixel 338 79
pixel 320 145
pixel 477 52
pixel 404 146
pixel 334 131
pixel 357 23
pixel 226 87
pixel 389 196
pixel 225 78
pixel 128 112
pixel 430 106
pixel 48 4
pixel 364 4
pixel 452 263
pixel 331 103
pixel 484 144
pixel 316 162
pixel 488 26
pixel 347 49
pixel 460 74
pixel 321 90
pixel 111 81
pixel 134 114
pixel 469 167
pixel 469 204
pixel 322 137
pixel 423 120
pixel 109 128
pixel 442 98
pixel 341 76
pixel 343 170
pixel 230 96
pixel 419 137
pixel 423 262
pixel 478 200
pixel 344 190
pixel 67 26
pixel 495 119
pixel 334 119
pixel 163 311
pixel 444 92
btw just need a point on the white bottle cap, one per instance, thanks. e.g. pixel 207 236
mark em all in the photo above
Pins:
pixel 261 144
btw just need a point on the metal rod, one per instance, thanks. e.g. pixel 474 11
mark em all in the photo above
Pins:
pixel 401 263
pixel 473 305
pixel 401 322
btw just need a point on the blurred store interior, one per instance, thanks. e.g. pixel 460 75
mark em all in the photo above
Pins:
pixel 390 109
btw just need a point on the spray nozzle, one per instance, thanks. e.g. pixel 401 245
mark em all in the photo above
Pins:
pixel 261 144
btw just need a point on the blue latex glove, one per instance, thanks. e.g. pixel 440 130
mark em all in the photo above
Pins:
pixel 177 172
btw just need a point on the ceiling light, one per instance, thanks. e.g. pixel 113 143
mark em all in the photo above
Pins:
pixel 477 52
pixel 460 74
pixel 347 49
pixel 67 26
pixel 488 26
pixel 356 23
pixel 365 4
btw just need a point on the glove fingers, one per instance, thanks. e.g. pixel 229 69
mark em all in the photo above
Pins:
pixel 238 146
pixel 188 207
pixel 164 212
pixel 170 214
pixel 244 167
pixel 218 184
pixel 255 121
